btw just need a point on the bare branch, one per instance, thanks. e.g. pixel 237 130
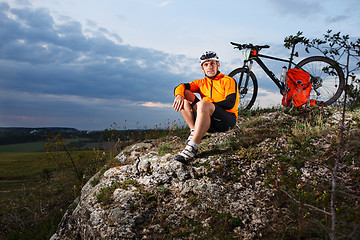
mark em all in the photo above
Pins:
pixel 305 204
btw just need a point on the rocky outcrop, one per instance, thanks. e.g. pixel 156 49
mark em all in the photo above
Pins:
pixel 151 196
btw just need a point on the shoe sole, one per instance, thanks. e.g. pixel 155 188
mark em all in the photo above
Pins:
pixel 183 160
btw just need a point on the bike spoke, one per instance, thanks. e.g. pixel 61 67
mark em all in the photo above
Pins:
pixel 327 79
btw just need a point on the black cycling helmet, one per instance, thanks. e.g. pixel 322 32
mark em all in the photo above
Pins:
pixel 208 56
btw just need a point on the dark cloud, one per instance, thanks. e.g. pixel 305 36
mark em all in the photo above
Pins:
pixel 41 56
pixel 60 59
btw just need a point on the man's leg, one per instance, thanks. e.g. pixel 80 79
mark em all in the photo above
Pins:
pixel 187 112
pixel 204 110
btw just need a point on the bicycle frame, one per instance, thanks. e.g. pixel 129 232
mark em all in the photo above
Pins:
pixel 256 57
pixel 326 76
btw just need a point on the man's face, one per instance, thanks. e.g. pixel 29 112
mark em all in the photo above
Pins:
pixel 210 68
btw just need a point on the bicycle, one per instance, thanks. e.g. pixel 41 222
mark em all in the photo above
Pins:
pixel 326 76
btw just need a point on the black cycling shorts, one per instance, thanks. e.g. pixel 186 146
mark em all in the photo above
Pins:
pixel 221 120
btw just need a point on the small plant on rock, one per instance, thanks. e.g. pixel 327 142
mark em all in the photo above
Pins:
pixel 105 195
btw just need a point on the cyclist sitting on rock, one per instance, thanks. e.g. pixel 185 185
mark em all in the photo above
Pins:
pixel 217 111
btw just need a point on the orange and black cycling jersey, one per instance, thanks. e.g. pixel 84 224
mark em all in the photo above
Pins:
pixel 220 90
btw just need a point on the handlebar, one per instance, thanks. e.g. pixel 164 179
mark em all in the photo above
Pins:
pixel 249 46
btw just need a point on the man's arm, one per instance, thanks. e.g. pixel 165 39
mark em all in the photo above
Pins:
pixel 180 89
pixel 228 103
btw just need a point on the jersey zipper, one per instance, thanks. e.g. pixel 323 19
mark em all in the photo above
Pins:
pixel 211 90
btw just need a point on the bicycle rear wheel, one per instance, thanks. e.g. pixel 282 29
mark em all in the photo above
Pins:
pixel 248 87
pixel 327 78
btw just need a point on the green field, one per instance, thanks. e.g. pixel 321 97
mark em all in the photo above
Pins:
pixel 33 146
pixel 22 147
pixel 21 165
pixel 35 188
pixel 19 171
pixel 21 192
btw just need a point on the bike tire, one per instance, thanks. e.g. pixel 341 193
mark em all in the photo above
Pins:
pixel 327 85
pixel 247 96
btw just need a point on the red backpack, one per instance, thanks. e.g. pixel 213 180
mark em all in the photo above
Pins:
pixel 298 88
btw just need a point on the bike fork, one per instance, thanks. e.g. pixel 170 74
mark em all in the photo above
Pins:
pixel 245 88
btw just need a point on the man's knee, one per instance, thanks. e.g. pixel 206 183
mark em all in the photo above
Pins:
pixel 187 105
pixel 207 107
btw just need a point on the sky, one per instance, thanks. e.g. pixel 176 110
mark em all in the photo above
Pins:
pixel 94 65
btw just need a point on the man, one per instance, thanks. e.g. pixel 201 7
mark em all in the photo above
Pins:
pixel 217 111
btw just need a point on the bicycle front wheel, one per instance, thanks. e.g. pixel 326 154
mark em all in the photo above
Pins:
pixel 247 85
pixel 326 77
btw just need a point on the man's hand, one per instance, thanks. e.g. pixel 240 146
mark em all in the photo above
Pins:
pixel 178 103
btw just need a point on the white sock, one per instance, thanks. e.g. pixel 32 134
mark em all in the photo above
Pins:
pixel 194 145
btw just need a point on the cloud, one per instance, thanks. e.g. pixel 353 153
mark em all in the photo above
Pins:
pixel 338 18
pixel 299 9
pixel 156 105
pixel 23 2
pixel 64 65
pixel 267 98
pixel 59 58
pixel 163 4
